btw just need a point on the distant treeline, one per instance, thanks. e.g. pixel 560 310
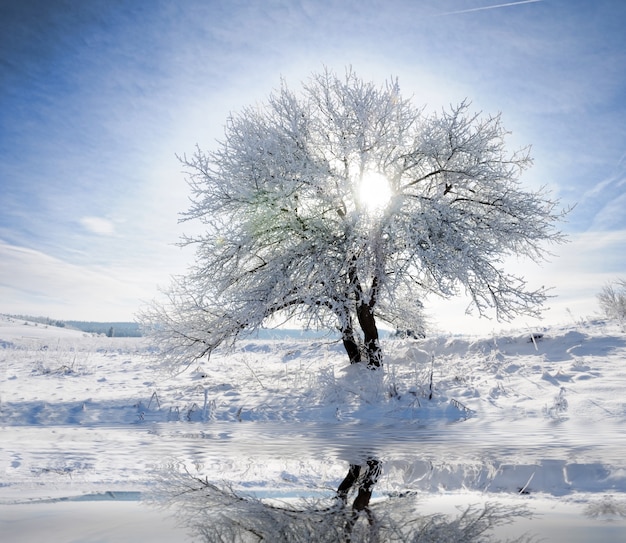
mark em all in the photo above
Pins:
pixel 111 329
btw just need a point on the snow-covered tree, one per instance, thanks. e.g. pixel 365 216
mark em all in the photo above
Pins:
pixel 612 300
pixel 344 205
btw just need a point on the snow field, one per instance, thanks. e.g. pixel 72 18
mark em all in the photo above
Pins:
pixel 536 418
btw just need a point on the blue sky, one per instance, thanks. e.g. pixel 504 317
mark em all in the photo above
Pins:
pixel 98 96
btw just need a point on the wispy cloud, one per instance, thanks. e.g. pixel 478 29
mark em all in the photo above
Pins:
pixel 98 225
pixel 496 6
pixel 32 282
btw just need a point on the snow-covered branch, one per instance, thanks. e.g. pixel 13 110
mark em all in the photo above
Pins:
pixel 286 230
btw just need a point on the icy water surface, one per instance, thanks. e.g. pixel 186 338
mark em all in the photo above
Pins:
pixel 59 472
pixel 458 455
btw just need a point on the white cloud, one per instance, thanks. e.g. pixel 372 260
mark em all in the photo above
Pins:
pixel 34 283
pixel 98 225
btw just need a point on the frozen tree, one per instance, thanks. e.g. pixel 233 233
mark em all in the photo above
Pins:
pixel 612 300
pixel 343 206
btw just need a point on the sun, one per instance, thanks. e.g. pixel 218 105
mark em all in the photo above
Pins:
pixel 374 191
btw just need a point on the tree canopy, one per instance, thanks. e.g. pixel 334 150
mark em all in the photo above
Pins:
pixel 343 205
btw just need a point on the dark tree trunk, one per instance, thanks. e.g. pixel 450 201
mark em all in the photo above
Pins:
pixel 365 316
pixel 364 493
pixel 348 482
pixel 367 322
pixel 350 342
pixel 352 348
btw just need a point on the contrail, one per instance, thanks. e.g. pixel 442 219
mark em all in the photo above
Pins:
pixel 509 4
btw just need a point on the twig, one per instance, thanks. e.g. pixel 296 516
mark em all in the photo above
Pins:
pixel 523 489
pixel 254 374
pixel 432 371
pixel 156 398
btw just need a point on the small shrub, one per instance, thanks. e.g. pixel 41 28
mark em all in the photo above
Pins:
pixel 612 300
pixel 559 407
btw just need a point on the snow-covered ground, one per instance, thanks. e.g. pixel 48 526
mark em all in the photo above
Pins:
pixel 92 429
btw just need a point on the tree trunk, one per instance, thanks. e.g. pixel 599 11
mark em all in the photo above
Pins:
pixel 352 348
pixel 367 321
pixel 365 316
pixel 365 486
pixel 350 342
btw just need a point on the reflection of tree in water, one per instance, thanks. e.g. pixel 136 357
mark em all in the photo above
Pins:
pixel 364 486
pixel 607 508
pixel 219 514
